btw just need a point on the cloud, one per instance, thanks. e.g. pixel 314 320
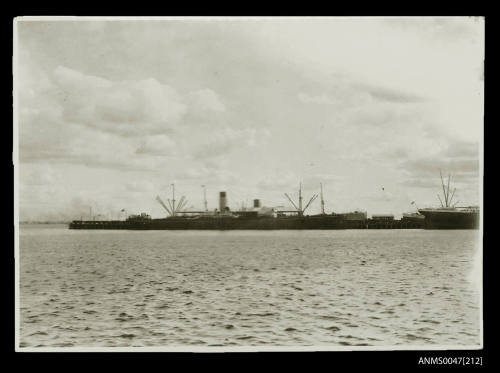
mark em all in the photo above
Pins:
pixel 69 143
pixel 459 159
pixel 40 176
pixel 447 29
pixel 313 181
pixel 281 180
pixel 391 95
pixel 140 186
pixel 71 117
pixel 208 175
pixel 342 93
pixel 462 149
pixel 157 145
pixel 193 173
pixel 205 100
pixel 130 107
pixel 348 95
pixel 183 101
pixel 385 115
pixel 429 167
pixel 322 99
pixel 223 141
pixel 125 108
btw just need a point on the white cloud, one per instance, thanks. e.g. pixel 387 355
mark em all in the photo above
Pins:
pixel 236 105
pixel 73 117
pixel 321 99
pixel 205 100
pixel 438 29
pixel 281 180
pixel 225 140
pixel 157 145
pixel 125 108
pixel 140 186
pixel 41 176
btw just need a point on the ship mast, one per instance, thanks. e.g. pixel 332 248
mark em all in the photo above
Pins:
pixel 173 199
pixel 300 197
pixel 299 209
pixel 205 197
pixel 172 209
pixel 446 192
pixel 322 200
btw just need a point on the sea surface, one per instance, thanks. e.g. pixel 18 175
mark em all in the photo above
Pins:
pixel 248 288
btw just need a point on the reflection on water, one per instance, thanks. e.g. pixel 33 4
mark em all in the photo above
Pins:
pixel 247 288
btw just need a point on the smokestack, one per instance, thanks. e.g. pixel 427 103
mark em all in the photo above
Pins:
pixel 256 203
pixel 222 201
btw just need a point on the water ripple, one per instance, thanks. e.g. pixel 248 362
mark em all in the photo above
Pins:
pixel 161 288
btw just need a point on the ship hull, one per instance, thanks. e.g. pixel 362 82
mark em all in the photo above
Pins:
pixel 442 219
pixel 219 223
pixel 260 223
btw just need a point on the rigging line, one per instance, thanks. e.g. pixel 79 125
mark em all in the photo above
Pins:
pixel 440 201
pixel 452 194
pixel 442 184
pixel 163 204
pixel 448 191
pixel 294 205
pixel 170 205
pixel 310 201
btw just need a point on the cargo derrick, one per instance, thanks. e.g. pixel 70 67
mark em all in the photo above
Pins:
pixel 299 209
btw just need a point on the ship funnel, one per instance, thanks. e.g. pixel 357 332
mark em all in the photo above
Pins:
pixel 256 203
pixel 222 201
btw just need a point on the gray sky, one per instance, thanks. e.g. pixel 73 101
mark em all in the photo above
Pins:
pixel 112 112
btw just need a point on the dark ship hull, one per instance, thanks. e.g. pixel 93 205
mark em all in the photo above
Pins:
pixel 450 219
pixel 245 223
pixel 216 223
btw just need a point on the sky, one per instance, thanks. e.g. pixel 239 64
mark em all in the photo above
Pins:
pixel 110 113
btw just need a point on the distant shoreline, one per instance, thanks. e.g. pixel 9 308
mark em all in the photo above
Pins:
pixel 43 222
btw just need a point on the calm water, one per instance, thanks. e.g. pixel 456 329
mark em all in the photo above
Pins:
pixel 247 288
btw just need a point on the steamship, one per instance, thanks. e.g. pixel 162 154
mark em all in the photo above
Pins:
pixel 258 217
pixel 449 215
